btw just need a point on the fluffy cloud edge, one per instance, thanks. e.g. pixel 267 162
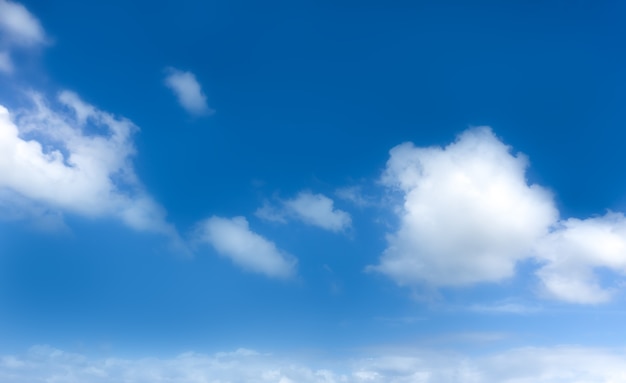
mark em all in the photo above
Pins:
pixel 575 250
pixel 50 156
pixel 467 214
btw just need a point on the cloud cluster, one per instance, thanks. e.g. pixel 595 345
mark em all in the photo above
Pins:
pixel 233 238
pixel 67 156
pixel 468 215
pixel 188 91
pixel 312 209
pixel 74 158
pixel 523 365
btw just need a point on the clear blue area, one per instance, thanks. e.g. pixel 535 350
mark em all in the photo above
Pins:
pixel 311 95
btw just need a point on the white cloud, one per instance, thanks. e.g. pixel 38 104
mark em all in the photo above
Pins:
pixel 233 238
pixel 468 213
pixel 522 365
pixel 575 249
pixel 313 209
pixel 188 91
pixel 74 158
pixel 19 26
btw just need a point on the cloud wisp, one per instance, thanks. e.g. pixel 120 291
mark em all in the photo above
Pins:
pixel 188 91
pixel 19 26
pixel 19 29
pixel 312 209
pixel 232 238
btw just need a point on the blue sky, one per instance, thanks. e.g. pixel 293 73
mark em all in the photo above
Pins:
pixel 312 191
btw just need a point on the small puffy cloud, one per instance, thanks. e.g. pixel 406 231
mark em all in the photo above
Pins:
pixel 18 26
pixel 521 365
pixel 318 210
pixel 468 213
pixel 312 209
pixel 188 91
pixel 233 238
pixel 74 158
pixel 574 250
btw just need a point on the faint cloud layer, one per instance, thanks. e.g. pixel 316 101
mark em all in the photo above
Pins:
pixel 355 195
pixel 6 65
pixel 505 307
pixel 523 365
pixel 468 215
pixel 312 209
pixel 233 239
pixel 188 91
pixel 77 159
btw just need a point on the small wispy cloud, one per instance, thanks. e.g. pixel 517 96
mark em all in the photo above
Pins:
pixel 188 91
pixel 19 29
pixel 18 26
pixel 355 195
pixel 269 212
pixel 312 209
pixel 232 238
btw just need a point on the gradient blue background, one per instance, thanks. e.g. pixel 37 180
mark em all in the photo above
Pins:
pixel 311 95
